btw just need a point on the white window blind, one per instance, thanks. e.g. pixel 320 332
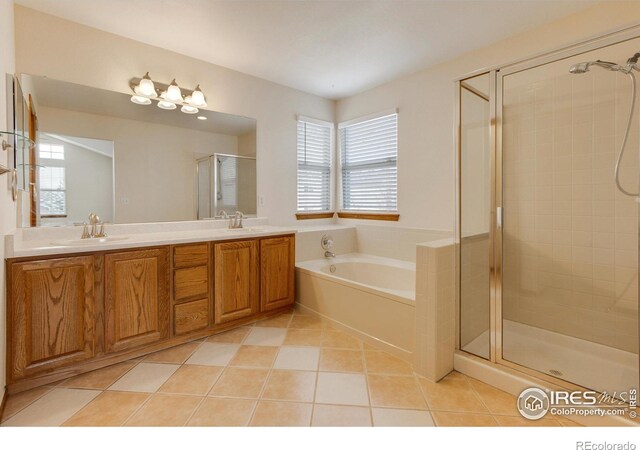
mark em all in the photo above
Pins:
pixel 53 201
pixel 227 184
pixel 369 154
pixel 314 166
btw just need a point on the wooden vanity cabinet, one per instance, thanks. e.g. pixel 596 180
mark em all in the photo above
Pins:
pixel 71 314
pixel 235 280
pixel 136 301
pixel 51 314
pixel 277 272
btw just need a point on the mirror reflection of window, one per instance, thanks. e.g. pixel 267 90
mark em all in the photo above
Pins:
pixel 53 196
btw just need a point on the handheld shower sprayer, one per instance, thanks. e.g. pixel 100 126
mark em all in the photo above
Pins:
pixel 627 69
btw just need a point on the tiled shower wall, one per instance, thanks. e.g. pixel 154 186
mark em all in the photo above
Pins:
pixel 474 288
pixel 570 238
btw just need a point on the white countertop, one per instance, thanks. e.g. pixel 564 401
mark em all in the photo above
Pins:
pixel 28 242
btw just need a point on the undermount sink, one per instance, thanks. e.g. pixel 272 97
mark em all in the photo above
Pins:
pixel 90 241
pixel 246 230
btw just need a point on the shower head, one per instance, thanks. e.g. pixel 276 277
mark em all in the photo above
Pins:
pixel 583 67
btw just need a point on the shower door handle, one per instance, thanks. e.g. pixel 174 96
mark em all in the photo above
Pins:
pixel 499 217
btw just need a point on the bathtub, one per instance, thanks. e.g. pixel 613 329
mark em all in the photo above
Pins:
pixel 370 295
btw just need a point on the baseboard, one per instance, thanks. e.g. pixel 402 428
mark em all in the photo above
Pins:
pixel 371 340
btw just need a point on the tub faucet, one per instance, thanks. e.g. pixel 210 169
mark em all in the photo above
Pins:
pixel 329 254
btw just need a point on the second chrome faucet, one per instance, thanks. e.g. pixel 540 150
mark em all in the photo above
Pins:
pixel 94 221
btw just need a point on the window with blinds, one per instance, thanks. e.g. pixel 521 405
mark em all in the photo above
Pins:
pixel 53 198
pixel 314 166
pixel 369 155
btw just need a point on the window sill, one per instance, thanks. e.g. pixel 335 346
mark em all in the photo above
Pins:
pixel 54 216
pixel 393 217
pixel 314 215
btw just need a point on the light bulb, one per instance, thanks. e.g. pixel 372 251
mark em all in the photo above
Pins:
pixel 187 109
pixel 197 98
pixel 173 92
pixel 138 100
pixel 202 118
pixel 146 86
pixel 163 104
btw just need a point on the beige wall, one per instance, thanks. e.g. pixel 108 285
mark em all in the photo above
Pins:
pixel 109 62
pixel 425 100
pixel 154 164
pixel 247 144
pixel 7 206
pixel 570 238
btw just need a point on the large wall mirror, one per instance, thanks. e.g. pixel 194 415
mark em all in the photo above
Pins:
pixel 96 151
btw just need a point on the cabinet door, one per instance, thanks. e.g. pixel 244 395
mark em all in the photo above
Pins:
pixel 236 280
pixel 136 298
pixel 277 265
pixel 51 314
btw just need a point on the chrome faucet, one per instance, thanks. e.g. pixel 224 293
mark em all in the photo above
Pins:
pixel 236 220
pixel 223 215
pixel 329 254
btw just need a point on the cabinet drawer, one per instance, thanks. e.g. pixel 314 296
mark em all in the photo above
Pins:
pixel 191 283
pixel 191 316
pixel 190 255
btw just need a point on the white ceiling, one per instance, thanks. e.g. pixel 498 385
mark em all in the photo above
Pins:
pixel 331 48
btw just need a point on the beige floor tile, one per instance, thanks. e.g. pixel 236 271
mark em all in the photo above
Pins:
pixel 254 356
pixel 342 389
pixel 240 382
pixel 53 408
pixel 297 358
pixel 383 362
pixel 341 416
pixel 292 385
pixel 213 354
pixel 19 401
pixel 340 339
pixel 235 336
pixel 339 360
pixel 190 379
pixel 165 410
pixel 271 337
pixel 311 338
pixel 109 409
pixel 145 377
pixel 173 355
pixel 451 394
pixel 282 414
pixel 449 419
pixel 511 421
pixel 99 379
pixel 498 402
pixel 280 321
pixel 306 322
pixel 223 412
pixel 395 392
pixel 387 417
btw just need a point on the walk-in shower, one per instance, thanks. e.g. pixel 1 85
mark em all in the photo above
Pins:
pixel 548 216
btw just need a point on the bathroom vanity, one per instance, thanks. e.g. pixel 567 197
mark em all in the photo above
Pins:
pixel 78 307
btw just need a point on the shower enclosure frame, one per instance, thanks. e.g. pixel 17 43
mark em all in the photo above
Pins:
pixel 496 76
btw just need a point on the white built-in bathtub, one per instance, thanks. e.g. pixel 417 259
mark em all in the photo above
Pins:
pixel 371 295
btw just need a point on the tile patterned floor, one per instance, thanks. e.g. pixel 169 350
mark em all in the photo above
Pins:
pixel 290 370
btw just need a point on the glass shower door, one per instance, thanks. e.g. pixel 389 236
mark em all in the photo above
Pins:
pixel 569 280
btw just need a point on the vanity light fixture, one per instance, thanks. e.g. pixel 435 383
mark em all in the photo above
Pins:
pixel 169 96
pixel 174 94
pixel 164 104
pixel 188 109
pixel 140 100
pixel 146 87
